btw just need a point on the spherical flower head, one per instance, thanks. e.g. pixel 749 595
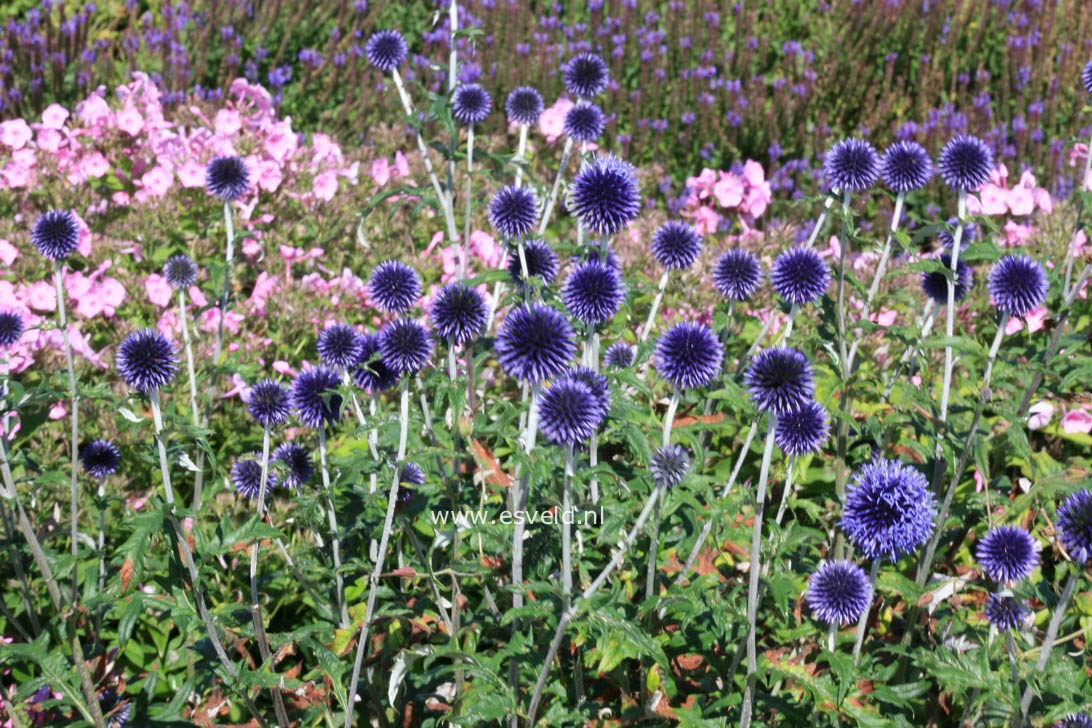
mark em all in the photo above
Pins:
pixel 459 313
pixel 737 274
pixel 394 286
pixel 1017 285
pixel 584 122
pixel 339 346
pixel 970 232
pixel 839 592
pixel 535 342
pixel 889 511
pixel 689 355
pixel 523 106
pixel 297 466
pixel 851 165
pixel 411 474
pixel 669 466
pixel 568 411
pixel 471 103
pixel 386 50
pixel 802 430
pixel 227 178
pixel 599 387
pixel 246 476
pixel 1007 554
pixel 370 373
pixel 605 196
pixel 619 355
pixel 779 380
pixel 146 360
pixel 55 234
pixel 180 272
pixel 316 398
pixel 965 163
pixel 1086 81
pixel 585 75
pixel 269 403
pixel 799 276
pixel 405 346
pixel 1005 612
pixel 593 292
pixel 1075 720
pixel 541 261
pixel 935 284
pixel 1075 525
pixel 513 211
pixel 11 328
pixel 905 166
pixel 100 458
pixel 114 710
pixel 676 245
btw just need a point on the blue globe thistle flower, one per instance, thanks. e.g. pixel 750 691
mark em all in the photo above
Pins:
pixel 1007 554
pixel 1005 612
pixel 889 511
pixel 605 196
pixel 965 163
pixel 935 284
pixel 689 355
pixel 146 360
pixel 541 261
pixel 593 292
pixel 180 272
pixel 970 232
pixel 585 75
pixel 799 276
pixel 316 398
pixel 394 286
pixel 471 103
pixel 405 346
pixel 370 373
pixel 601 253
pixel 298 466
pixel 513 211
pixel 599 387
pixel 1017 285
pixel 269 403
pixel 459 313
pixel 386 50
pixel 1086 81
pixel 839 592
pixel 905 166
pixel 55 234
pixel 227 178
pixel 779 380
pixel 676 245
pixel 619 355
pixel 802 430
pixel 1075 525
pixel 100 458
pixel 737 274
pixel 523 105
pixel 246 476
pixel 584 122
pixel 1075 720
pixel 11 328
pixel 535 342
pixel 568 411
pixel 411 474
pixel 669 466
pixel 851 165
pixel 339 346
pixel 114 710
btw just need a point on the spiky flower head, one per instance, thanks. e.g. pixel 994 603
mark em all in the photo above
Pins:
pixel 965 163
pixel 839 592
pixel 935 284
pixel 1075 525
pixel 405 346
pixel 513 211
pixel 669 466
pixel 619 355
pixel 851 165
pixel 394 286
pixel 471 103
pixel 146 360
pixel 737 274
pixel 779 380
pixel 676 245
pixel 1017 285
pixel 269 403
pixel 1086 81
pixel 180 272
pixel 100 458
pixel 459 313
pixel 55 234
pixel 11 328
pixel 1005 612
pixel 535 342
pixel 1007 553
pixel 297 466
pixel 339 346
pixel 523 105
pixel 905 166
pixel 799 276
pixel 599 387
pixel 593 292
pixel 584 122
pixel 227 178
pixel 585 75
pixel 568 411
pixel 970 232
pixel 802 430
pixel 316 398
pixel 370 373
pixel 889 511
pixel 605 196
pixel 541 261
pixel 411 474
pixel 689 355
pixel 386 50
pixel 246 476
pixel 1076 720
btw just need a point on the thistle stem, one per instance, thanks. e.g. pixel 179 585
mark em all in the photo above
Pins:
pixel 74 437
pixel 1051 635
pixel 335 538
pixel 862 624
pixel 1010 648
pixel 949 330
pixel 565 152
pixel 521 150
pixel 786 491
pixel 655 305
pixel 877 276
pixel 669 418
pixel 820 223
pixel 101 541
pixel 469 186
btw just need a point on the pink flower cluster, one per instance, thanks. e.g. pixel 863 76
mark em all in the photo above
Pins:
pixel 747 194
pixel 1021 200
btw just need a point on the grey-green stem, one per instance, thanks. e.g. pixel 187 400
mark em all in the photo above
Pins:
pixel 1051 633
pixel 862 623
pixel 335 536
pixel 74 436
pixel 548 212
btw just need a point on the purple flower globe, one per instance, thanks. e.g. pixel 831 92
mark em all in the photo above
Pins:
pixel 1075 525
pixel 1075 720
pixel 905 166
pixel 535 342
pixel 599 387
pixel 935 283
pixel 459 313
pixel 584 122
pixel 180 272
pixel 1005 612
pixel 970 232
pixel 513 211
pixel 889 511
pixel 851 165
pixel 965 163
pixel 1086 81
pixel 523 106
pixel 386 50
pixel 799 276
pixel 370 373
pixel 619 355
pixel 737 274
pixel 55 234
pixel 405 346
pixel 100 458
pixel 297 465
pixel 839 592
pixel 394 286
pixel 146 360
pixel 604 195
pixel 246 477
pixel 270 403
pixel 802 430
pixel 585 75
pixel 541 261
pixel 689 355
pixel 316 398
pixel 1017 285
pixel 593 292
pixel 568 411
pixel 676 245
pixel 11 328
pixel 1007 554
pixel 669 466
pixel 779 380
pixel 339 346
pixel 227 178
pixel 471 103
